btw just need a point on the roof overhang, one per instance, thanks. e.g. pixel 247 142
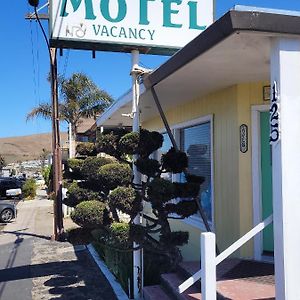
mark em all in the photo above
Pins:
pixel 233 50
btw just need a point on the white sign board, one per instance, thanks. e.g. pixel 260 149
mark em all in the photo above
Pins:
pixel 116 25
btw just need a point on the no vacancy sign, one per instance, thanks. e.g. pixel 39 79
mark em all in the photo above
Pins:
pixel 152 26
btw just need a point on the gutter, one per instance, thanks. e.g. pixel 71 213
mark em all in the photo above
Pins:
pixel 240 18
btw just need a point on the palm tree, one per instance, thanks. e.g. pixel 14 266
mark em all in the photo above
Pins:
pixel 79 98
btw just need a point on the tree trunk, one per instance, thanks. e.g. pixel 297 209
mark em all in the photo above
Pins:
pixel 72 141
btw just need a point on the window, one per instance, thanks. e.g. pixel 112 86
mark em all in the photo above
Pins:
pixel 167 144
pixel 196 142
pixel 194 138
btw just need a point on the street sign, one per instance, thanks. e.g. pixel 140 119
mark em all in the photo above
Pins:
pixel 152 26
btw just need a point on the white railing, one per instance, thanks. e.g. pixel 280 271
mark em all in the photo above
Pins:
pixel 210 261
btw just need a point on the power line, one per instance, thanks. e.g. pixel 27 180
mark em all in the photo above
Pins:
pixel 38 65
pixel 33 64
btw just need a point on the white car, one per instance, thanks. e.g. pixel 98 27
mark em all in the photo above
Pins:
pixel 14 193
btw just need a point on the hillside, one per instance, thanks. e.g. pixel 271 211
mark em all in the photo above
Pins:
pixel 28 147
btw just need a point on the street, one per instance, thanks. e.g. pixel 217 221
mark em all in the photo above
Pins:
pixel 34 267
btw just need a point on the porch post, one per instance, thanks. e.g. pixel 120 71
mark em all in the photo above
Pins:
pixel 208 266
pixel 285 80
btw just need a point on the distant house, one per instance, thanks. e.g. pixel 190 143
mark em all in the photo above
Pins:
pixel 86 130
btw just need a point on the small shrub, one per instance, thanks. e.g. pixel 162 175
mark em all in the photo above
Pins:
pixel 186 189
pixel 119 236
pixel 149 142
pixel 76 195
pixel 110 244
pixel 91 165
pixel 114 175
pixel 73 168
pixel 29 189
pixel 174 161
pixel 86 149
pixel 129 143
pixel 183 208
pixel 79 236
pixel 125 199
pixel 160 191
pixel 108 143
pixel 148 167
pixel 47 174
pixel 176 238
pixel 90 214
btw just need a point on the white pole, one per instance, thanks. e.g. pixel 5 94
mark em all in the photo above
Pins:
pixel 137 255
pixel 208 266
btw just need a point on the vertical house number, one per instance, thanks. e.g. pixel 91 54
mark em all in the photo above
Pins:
pixel 274 115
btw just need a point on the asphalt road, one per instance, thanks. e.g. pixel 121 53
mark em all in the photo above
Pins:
pixel 16 246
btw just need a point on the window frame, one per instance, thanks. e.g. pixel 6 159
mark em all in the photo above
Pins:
pixel 196 220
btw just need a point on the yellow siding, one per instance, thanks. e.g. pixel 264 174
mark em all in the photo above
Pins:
pixel 223 106
pixel 248 95
pixel 230 108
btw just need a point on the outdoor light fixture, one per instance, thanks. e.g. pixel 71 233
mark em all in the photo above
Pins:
pixel 34 3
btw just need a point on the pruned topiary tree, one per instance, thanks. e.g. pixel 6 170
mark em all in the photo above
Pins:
pixel 109 181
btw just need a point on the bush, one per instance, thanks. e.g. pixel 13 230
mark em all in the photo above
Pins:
pixel 174 161
pixel 176 238
pixel 90 214
pixel 108 143
pixel 149 142
pixel 91 165
pixel 148 167
pixel 125 199
pixel 183 208
pixel 187 189
pixel 114 175
pixel 76 195
pixel 160 191
pixel 79 236
pixel 111 244
pixel 73 167
pixel 29 189
pixel 47 175
pixel 86 149
pixel 129 143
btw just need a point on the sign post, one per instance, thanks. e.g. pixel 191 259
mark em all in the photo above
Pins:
pixel 137 255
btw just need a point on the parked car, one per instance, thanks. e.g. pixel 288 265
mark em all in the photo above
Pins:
pixel 8 212
pixel 10 188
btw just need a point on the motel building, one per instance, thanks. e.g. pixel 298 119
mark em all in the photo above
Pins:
pixel 232 99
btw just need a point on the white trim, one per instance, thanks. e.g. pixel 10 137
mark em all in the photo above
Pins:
pixel 256 176
pixel 125 99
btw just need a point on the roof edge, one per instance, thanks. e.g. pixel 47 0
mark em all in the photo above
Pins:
pixel 238 19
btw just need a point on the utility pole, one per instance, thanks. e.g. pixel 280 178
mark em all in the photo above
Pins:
pixel 57 165
pixel 56 149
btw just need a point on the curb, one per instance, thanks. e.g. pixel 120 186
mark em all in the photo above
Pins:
pixel 119 292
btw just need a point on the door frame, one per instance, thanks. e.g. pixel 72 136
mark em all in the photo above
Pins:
pixel 256 176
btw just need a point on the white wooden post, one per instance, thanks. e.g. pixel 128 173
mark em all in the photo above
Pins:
pixel 285 76
pixel 208 266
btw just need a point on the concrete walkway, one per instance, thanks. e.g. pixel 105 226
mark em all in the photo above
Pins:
pixel 34 267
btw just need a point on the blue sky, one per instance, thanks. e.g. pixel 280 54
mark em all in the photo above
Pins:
pixel 24 65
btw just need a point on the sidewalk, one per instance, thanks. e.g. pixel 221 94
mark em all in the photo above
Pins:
pixel 56 270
